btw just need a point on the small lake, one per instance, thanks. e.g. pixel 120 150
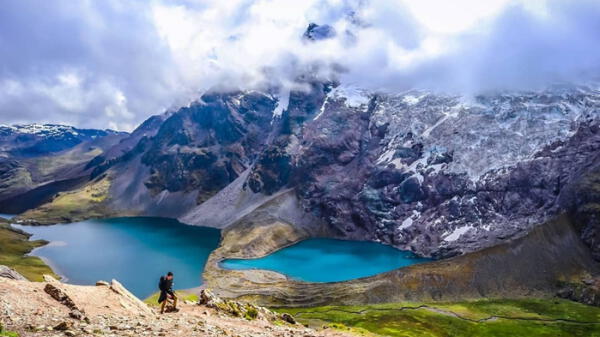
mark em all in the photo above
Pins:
pixel 329 260
pixel 135 251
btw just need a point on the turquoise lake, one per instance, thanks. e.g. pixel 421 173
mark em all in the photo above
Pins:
pixel 329 260
pixel 135 251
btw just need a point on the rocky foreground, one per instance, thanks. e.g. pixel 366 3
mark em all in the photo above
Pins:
pixel 52 308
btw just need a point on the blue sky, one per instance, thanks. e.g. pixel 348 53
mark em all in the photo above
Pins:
pixel 111 64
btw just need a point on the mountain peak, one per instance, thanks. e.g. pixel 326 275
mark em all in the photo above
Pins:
pixel 316 32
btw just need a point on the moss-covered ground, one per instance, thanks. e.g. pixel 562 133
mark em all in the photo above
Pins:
pixel 73 206
pixel 14 246
pixel 8 334
pixel 502 317
pixel 5 333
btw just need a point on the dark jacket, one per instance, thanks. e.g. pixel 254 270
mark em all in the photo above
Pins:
pixel 166 287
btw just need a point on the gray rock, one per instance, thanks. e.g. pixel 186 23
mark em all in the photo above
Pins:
pixel 76 314
pixel 288 318
pixel 10 273
pixel 315 32
pixel 63 326
pixel 58 294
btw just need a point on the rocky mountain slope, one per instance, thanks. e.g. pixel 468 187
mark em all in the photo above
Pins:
pixel 39 160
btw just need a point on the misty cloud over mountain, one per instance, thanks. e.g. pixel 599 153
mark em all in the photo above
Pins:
pixel 113 63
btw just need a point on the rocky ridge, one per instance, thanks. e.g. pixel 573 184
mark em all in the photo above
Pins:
pixel 40 139
pixel 52 308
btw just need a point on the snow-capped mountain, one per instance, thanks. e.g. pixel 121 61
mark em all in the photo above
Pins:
pixel 453 174
pixel 436 174
pixel 43 159
pixel 40 139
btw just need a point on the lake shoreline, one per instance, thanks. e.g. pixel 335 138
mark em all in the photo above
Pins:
pixel 326 260
pixel 134 250
pixel 49 263
pixel 15 249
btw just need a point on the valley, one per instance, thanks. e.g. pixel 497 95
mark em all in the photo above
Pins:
pixel 485 193
pixel 474 318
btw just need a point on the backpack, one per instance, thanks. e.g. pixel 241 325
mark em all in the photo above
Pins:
pixel 161 284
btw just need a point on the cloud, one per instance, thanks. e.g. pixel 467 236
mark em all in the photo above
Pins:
pixel 520 49
pixel 113 63
pixel 87 63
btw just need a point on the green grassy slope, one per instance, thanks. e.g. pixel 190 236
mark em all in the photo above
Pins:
pixel 80 204
pixel 510 318
pixel 13 248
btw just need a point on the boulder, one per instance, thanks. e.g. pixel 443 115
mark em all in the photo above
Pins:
pixel 288 318
pixel 76 314
pixel 10 273
pixel 60 295
pixel 63 326
pixel 240 309
pixel 50 279
pixel 54 289
pixel 209 299
pixel 586 291
pixel 128 299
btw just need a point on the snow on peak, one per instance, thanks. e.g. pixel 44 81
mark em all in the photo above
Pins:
pixel 282 103
pixel 39 129
pixel 355 96
pixel 457 233
pixel 51 130
pixel 481 133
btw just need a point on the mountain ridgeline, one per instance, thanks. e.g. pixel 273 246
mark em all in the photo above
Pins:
pixel 39 160
pixel 435 174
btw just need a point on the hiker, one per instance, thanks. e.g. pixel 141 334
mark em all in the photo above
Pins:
pixel 166 292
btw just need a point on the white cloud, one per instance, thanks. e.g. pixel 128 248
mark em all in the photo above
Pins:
pixel 450 17
pixel 114 63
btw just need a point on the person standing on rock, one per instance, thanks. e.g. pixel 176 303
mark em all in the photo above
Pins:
pixel 166 292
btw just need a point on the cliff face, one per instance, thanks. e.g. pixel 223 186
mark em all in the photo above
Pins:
pixel 439 175
pixel 206 146
pixel 435 174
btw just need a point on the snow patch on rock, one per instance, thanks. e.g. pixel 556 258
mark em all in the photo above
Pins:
pixel 282 103
pixel 354 96
pixel 457 233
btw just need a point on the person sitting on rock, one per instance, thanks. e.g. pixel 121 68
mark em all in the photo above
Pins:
pixel 166 293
